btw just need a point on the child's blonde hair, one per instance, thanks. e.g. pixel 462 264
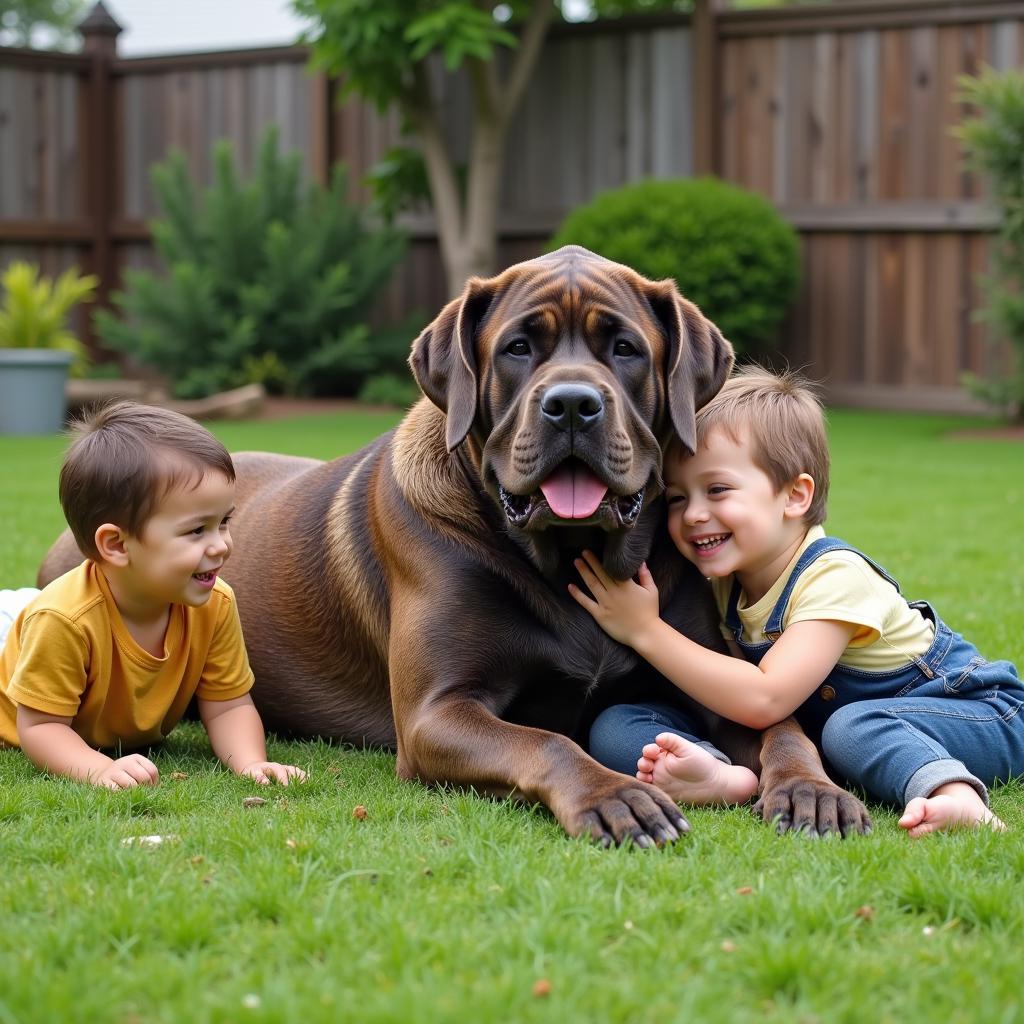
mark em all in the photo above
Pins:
pixel 785 421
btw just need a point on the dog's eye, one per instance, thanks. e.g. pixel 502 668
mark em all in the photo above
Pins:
pixel 518 347
pixel 624 348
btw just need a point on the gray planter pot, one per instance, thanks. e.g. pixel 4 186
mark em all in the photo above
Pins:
pixel 32 390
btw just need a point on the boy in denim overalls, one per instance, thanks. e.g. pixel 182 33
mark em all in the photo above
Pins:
pixel 898 703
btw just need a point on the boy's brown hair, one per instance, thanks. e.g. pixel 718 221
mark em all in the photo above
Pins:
pixel 124 460
pixel 786 425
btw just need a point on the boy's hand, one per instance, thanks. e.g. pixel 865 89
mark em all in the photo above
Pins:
pixel 623 609
pixel 126 772
pixel 264 772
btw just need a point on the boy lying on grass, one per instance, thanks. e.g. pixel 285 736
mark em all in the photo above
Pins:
pixel 898 703
pixel 110 654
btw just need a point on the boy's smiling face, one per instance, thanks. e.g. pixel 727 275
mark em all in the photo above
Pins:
pixel 725 514
pixel 181 548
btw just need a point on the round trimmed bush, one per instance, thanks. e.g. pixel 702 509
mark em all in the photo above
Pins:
pixel 729 250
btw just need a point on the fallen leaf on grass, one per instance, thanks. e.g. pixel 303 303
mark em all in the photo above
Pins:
pixel 296 844
pixel 253 801
pixel 359 812
pixel 542 988
pixel 178 776
pixel 728 946
pixel 744 890
pixel 865 913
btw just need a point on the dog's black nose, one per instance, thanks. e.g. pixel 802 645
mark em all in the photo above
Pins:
pixel 572 406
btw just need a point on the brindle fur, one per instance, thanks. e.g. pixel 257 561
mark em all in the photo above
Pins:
pixel 386 599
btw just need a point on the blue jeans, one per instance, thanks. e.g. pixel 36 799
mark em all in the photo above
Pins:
pixel 904 747
pixel 620 732
pixel 895 748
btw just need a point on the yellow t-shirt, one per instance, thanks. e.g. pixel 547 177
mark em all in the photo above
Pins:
pixel 69 653
pixel 839 585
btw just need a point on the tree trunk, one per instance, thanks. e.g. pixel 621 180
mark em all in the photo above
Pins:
pixel 469 239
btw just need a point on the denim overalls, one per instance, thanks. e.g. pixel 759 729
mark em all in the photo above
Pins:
pixel 946 716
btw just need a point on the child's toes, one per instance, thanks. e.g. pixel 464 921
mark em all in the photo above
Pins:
pixel 645 776
pixel 670 743
pixel 652 751
pixel 924 829
pixel 914 813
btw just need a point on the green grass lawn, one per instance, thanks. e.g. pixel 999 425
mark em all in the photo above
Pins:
pixel 440 906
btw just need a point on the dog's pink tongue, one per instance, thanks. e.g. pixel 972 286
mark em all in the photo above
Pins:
pixel 573 492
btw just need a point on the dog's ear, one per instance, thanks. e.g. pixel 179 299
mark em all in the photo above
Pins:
pixel 443 358
pixel 698 358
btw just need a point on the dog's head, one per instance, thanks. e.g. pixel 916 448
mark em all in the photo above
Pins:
pixel 571 373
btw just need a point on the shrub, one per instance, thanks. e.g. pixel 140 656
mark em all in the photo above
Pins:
pixel 266 281
pixel 728 250
pixel 994 141
pixel 390 389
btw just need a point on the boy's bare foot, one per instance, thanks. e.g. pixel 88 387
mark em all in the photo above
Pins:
pixel 954 805
pixel 692 775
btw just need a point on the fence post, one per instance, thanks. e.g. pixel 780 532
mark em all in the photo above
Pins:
pixel 705 87
pixel 99 33
pixel 323 88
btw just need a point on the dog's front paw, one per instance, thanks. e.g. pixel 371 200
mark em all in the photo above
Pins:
pixel 627 811
pixel 815 807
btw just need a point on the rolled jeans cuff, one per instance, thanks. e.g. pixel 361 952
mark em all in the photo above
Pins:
pixel 713 751
pixel 930 776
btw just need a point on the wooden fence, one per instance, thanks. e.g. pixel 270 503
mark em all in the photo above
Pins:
pixel 839 114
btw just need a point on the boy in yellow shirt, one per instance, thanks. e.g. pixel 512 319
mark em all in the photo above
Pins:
pixel 898 703
pixel 109 655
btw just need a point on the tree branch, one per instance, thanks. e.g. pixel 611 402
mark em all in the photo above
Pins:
pixel 419 106
pixel 484 77
pixel 530 44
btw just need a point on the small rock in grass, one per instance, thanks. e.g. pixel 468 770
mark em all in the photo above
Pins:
pixel 148 840
pixel 253 801
pixel 728 946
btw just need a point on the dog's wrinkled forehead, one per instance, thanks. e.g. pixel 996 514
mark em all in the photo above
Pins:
pixel 571 291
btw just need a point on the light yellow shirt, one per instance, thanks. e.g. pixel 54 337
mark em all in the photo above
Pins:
pixel 70 654
pixel 839 585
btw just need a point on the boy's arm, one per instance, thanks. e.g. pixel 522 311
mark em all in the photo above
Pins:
pixel 53 746
pixel 757 696
pixel 236 735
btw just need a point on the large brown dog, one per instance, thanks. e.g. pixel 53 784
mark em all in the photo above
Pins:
pixel 414 594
